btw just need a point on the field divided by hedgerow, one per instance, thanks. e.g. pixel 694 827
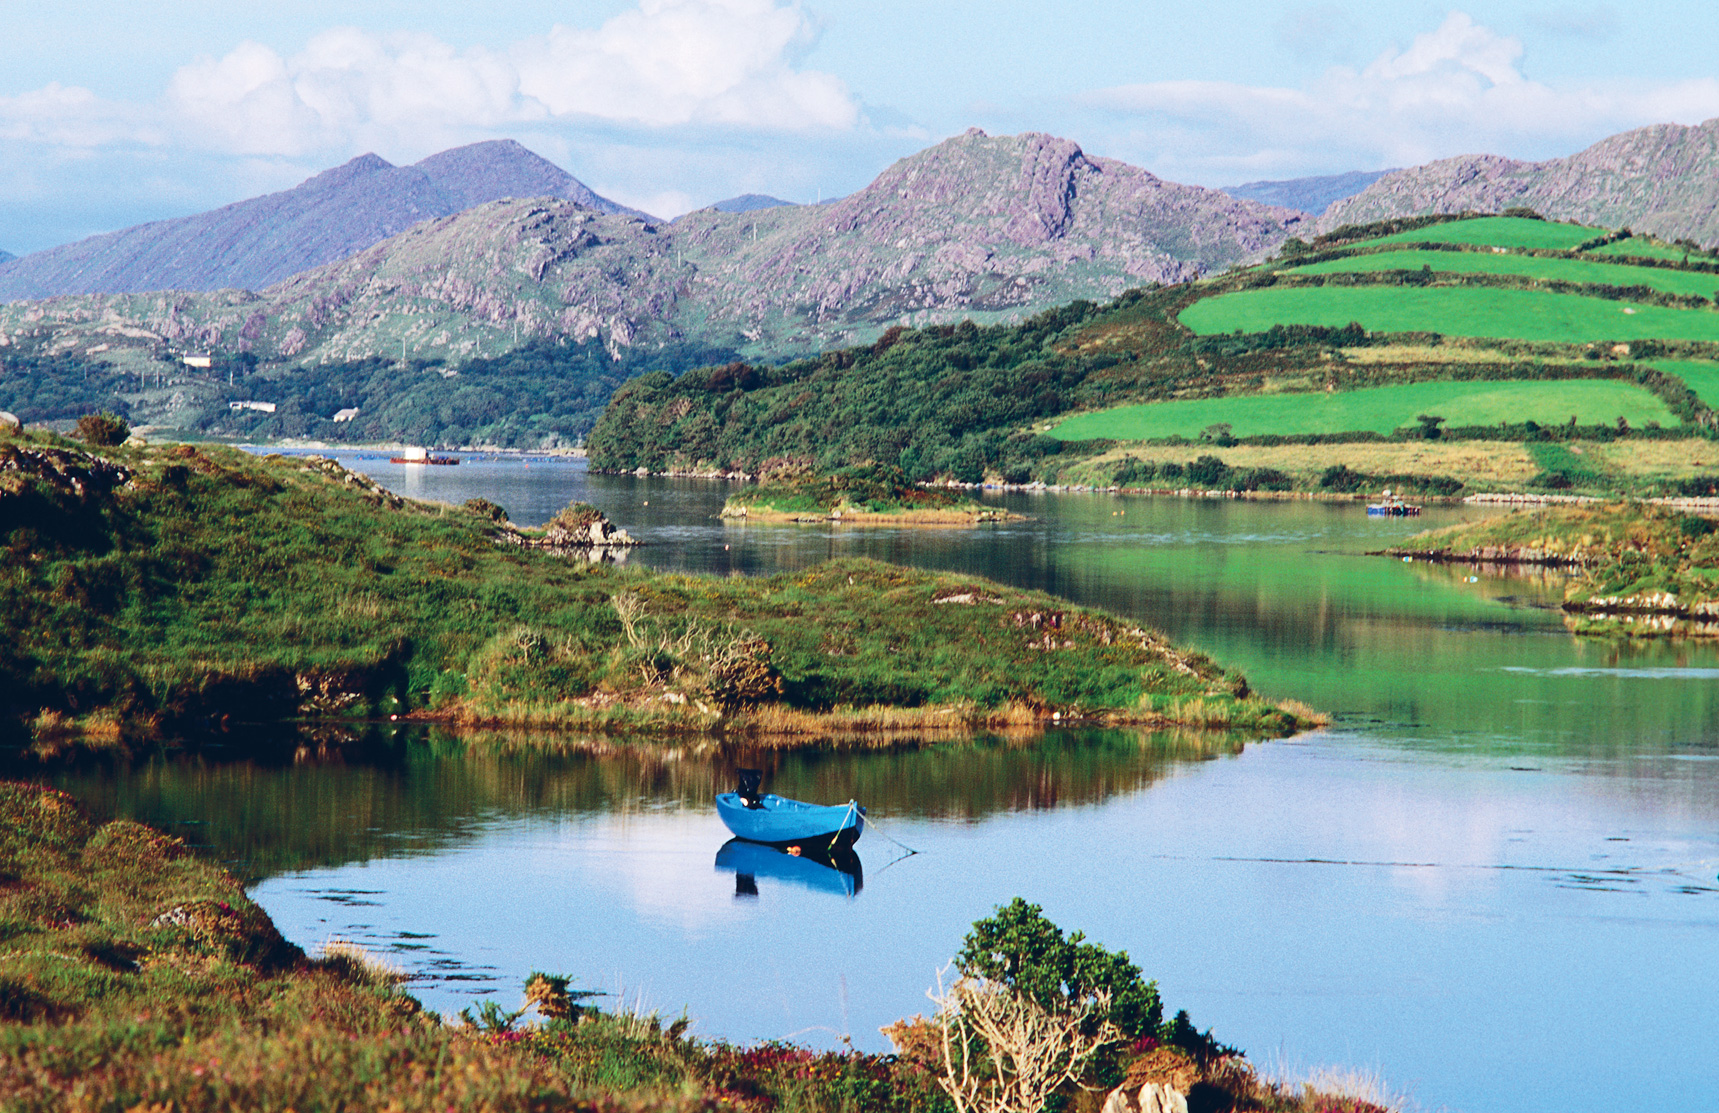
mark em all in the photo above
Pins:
pixel 1377 409
pixel 1497 231
pixel 1701 376
pixel 1452 311
pixel 1547 268
pixel 1643 248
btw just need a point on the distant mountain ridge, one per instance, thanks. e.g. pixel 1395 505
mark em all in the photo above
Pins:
pixel 989 227
pixel 748 203
pixel 1662 179
pixel 1308 195
pixel 255 243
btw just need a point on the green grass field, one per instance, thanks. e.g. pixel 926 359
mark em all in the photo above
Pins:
pixel 1379 409
pixel 1498 231
pixel 1453 311
pixel 1529 266
pixel 1699 375
pixel 1643 248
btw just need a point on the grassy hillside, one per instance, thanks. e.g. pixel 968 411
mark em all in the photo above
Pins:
pixel 1516 314
pixel 1576 270
pixel 173 590
pixel 1496 330
pixel 1377 409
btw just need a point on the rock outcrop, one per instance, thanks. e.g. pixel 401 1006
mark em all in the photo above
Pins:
pixel 579 530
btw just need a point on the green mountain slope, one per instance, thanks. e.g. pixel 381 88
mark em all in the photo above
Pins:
pixel 1500 331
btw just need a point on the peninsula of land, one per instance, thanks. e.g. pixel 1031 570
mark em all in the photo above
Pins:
pixel 157 591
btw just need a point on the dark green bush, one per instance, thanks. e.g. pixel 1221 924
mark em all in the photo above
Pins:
pixel 103 430
pixel 1021 949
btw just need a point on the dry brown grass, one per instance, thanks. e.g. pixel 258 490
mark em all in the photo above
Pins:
pixel 1493 463
pixel 1425 353
pixel 1654 459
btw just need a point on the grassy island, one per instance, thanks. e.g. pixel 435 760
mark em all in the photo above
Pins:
pixel 176 590
pixel 136 976
pixel 1636 568
pixel 861 496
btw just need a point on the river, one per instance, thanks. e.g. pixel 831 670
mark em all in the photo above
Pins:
pixel 1492 881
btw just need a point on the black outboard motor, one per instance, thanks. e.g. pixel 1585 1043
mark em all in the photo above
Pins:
pixel 748 792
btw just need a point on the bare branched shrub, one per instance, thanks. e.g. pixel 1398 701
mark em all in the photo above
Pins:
pixel 630 608
pixel 1002 1052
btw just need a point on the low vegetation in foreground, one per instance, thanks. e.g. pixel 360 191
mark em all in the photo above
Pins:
pixel 178 590
pixel 873 495
pixel 1639 568
pixel 136 976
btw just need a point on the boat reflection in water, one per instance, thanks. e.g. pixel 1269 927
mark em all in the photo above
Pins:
pixel 837 871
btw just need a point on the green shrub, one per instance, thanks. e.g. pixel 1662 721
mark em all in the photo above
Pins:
pixel 103 430
pixel 1020 948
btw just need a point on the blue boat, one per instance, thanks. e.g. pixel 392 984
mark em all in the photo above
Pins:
pixel 778 821
pixel 839 872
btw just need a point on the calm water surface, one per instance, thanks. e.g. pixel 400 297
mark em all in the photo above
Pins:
pixel 1493 880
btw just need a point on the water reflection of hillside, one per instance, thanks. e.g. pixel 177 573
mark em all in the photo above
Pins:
pixel 413 792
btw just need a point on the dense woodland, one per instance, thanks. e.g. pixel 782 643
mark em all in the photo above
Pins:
pixel 930 401
pixel 538 395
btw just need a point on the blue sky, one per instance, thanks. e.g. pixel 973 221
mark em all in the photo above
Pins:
pixel 110 117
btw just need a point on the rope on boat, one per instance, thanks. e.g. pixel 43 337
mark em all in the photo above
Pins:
pixel 872 823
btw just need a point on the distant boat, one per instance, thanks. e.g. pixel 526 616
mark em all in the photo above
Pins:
pixel 838 872
pixel 792 824
pixel 1389 507
pixel 421 456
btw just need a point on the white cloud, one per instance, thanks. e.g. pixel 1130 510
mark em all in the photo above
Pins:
pixel 70 116
pixel 687 61
pixel 1455 90
pixel 666 63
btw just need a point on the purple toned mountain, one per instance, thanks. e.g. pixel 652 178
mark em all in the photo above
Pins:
pixel 1662 179
pixel 1308 195
pixel 254 243
pixel 748 203
pixel 991 228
